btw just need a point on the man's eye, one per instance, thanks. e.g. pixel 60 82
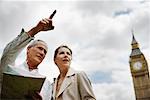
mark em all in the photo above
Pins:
pixel 45 51
pixel 40 48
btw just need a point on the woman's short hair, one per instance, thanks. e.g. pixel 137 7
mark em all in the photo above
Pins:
pixel 62 46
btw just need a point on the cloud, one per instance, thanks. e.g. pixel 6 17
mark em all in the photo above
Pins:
pixel 118 13
pixel 100 41
pixel 113 91
pixel 11 16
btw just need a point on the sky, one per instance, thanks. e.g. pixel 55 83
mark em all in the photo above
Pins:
pixel 98 32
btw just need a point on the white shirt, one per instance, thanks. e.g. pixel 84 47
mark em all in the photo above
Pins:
pixel 23 70
pixel 7 64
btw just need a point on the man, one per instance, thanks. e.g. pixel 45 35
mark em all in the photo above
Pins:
pixel 36 52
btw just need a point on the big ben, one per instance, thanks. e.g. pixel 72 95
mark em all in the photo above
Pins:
pixel 140 72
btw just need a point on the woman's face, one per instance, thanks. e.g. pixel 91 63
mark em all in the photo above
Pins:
pixel 63 57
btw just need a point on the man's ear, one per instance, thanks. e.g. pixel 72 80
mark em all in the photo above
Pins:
pixel 28 49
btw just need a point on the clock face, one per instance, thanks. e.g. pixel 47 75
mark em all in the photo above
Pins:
pixel 137 65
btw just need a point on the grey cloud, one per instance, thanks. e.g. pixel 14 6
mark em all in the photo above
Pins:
pixel 12 14
pixel 107 8
pixel 122 12
pixel 113 41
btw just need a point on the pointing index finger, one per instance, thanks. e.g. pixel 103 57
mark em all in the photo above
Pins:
pixel 52 15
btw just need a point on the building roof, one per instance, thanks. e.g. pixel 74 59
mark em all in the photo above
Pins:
pixel 136 52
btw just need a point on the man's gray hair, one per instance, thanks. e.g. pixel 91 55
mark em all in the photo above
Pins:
pixel 35 42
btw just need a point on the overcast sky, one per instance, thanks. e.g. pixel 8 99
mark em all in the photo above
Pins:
pixel 98 32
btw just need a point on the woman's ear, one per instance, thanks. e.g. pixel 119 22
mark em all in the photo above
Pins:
pixel 71 58
pixel 55 61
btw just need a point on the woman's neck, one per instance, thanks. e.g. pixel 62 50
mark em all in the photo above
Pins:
pixel 63 71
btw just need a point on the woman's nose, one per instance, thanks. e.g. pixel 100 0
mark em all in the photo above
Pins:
pixel 66 55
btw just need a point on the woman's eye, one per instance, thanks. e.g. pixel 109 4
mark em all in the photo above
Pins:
pixel 68 53
pixel 61 53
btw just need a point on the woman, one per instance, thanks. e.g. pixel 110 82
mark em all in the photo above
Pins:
pixel 70 84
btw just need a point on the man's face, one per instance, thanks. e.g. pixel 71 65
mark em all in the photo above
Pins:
pixel 36 54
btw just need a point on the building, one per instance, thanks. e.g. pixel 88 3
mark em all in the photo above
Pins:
pixel 140 72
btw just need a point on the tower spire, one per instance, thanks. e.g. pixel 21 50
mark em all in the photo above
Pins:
pixel 135 46
pixel 134 43
pixel 133 39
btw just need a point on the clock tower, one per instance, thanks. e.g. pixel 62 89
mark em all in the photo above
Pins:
pixel 140 72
